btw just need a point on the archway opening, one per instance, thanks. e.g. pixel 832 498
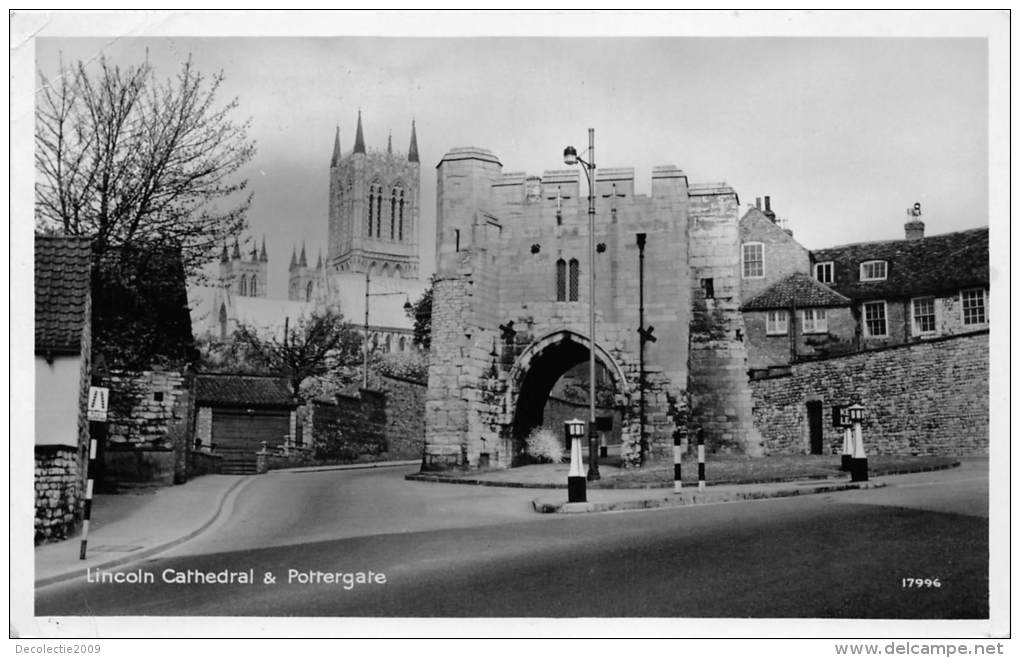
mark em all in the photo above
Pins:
pixel 555 389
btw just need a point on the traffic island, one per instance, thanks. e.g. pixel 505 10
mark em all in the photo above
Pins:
pixel 609 500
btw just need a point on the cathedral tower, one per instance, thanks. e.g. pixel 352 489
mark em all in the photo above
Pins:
pixel 305 282
pixel 244 277
pixel 373 209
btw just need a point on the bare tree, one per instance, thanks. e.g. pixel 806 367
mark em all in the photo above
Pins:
pixel 133 161
pixel 322 344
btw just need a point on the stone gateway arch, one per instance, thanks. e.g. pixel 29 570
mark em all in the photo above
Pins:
pixel 510 314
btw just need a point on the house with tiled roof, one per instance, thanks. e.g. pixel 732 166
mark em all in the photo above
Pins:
pixel 796 318
pixel 914 289
pixel 63 310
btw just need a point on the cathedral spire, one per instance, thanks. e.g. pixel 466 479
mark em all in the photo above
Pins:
pixel 293 258
pixel 302 261
pixel 359 137
pixel 389 143
pixel 236 255
pixel 264 257
pixel 336 148
pixel 412 152
pixel 225 256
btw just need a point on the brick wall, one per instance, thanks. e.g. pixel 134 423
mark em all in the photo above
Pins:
pixel 764 350
pixel 783 255
pixel 923 398
pixel 58 493
pixel 351 428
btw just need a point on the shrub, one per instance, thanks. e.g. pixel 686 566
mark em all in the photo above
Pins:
pixel 544 445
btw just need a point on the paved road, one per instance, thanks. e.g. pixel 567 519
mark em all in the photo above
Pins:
pixel 454 550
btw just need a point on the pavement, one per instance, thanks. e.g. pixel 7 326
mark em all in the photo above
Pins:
pixel 133 526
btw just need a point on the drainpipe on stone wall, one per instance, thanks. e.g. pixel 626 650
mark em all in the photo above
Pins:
pixel 641 342
pixel 793 331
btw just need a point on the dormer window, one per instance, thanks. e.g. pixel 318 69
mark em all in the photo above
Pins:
pixel 873 270
pixel 823 272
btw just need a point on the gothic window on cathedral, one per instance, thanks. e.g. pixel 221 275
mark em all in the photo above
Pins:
pixel 400 217
pixel 371 207
pixel 254 287
pixel 561 280
pixel 308 291
pixel 378 214
pixel 243 288
pixel 393 215
pixel 575 268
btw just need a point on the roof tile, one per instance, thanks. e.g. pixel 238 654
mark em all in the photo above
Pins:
pixel 937 263
pixel 243 390
pixel 798 290
pixel 62 288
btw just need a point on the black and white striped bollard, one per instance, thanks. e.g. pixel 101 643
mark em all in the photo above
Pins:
pixel 701 459
pixel 848 450
pixel 87 514
pixel 577 480
pixel 677 460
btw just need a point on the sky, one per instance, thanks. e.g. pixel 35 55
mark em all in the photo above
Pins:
pixel 844 134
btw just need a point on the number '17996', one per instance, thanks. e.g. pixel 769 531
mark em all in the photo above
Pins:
pixel 921 583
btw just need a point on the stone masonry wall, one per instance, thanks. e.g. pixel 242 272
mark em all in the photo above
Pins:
pixel 720 399
pixel 922 399
pixel 58 492
pixel 405 417
pixel 148 427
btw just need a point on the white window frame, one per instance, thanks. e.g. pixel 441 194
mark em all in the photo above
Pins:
pixel 743 260
pixel 885 270
pixel 777 323
pixel 915 328
pixel 885 318
pixel 816 325
pixel 826 265
pixel 984 307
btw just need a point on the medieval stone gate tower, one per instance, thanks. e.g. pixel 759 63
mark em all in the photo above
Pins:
pixel 510 309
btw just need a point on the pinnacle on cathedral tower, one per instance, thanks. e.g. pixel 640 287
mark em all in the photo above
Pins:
pixel 318 263
pixel 236 255
pixel 293 258
pixel 302 261
pixel 389 143
pixel 336 148
pixel 264 257
pixel 225 256
pixel 412 152
pixel 359 137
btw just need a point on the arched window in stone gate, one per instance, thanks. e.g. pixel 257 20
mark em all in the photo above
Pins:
pixel 561 280
pixel 575 272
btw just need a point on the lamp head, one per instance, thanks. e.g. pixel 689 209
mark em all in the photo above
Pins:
pixel 570 155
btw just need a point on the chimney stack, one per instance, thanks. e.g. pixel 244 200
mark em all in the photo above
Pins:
pixel 757 202
pixel 914 228
pixel 768 209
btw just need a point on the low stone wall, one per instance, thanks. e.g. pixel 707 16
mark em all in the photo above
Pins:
pixel 928 398
pixel 349 429
pixel 404 427
pixel 202 463
pixel 58 492
pixel 148 428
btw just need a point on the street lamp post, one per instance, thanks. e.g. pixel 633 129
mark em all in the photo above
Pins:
pixel 407 307
pixel 570 157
